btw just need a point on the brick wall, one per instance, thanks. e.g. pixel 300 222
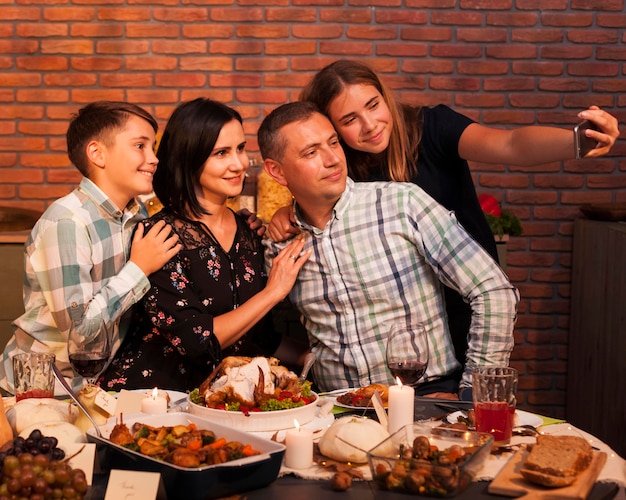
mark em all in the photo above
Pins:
pixel 505 63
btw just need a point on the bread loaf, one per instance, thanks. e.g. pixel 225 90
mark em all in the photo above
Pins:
pixel 556 461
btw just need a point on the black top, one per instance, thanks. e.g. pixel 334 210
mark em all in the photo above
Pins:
pixel 445 176
pixel 171 344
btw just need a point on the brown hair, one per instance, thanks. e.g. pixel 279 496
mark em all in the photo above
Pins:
pixel 401 154
pixel 99 120
pixel 271 141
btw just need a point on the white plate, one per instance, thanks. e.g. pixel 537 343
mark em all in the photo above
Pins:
pixel 339 392
pixel 523 418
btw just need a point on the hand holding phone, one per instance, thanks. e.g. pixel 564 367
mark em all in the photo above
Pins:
pixel 582 143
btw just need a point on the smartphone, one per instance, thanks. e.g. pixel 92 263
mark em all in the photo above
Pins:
pixel 582 143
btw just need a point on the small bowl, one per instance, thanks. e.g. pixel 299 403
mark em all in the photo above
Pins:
pixel 439 480
pixel 258 421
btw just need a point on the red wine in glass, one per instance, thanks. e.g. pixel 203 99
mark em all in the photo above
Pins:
pixel 88 364
pixel 409 372
pixel 88 347
pixel 407 352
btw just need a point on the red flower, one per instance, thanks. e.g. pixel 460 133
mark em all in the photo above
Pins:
pixel 489 205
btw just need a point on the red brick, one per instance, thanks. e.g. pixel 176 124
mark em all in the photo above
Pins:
pixel 511 19
pixel 262 31
pixel 401 49
pixel 151 96
pixel 160 63
pixel 70 80
pixel 512 51
pixel 566 20
pixel 84 96
pixel 212 63
pixel 317 32
pixel 39 191
pixel 153 30
pixel 427 34
pixel 44 161
pixel 8 160
pixel 205 30
pixel 18 47
pixel 455 51
pixel 584 101
pixel 265 64
pixel 73 14
pixel 67 47
pixel 542 4
pixel 537 35
pixel 592 36
pixel 41 30
pixel 20 80
pixel 34 95
pixel 537 68
pixel 484 35
pixel 96 63
pixel 221 95
pixel 124 14
pixel 234 15
pixel 19 14
pixel 564 85
pixel 456 83
pixel 181 14
pixel 462 18
pixel 509 83
pixel 171 47
pixel 372 33
pixel 534 100
pixel 42 63
pixel 338 48
pixel 482 67
pixel 598 5
pixel 593 69
pixel 262 96
pixel 428 66
pixel 345 16
pixel 611 20
pixel 235 80
pixel 232 47
pixel 295 15
pixel 401 17
pixel 128 80
pixel 72 176
pixel 432 4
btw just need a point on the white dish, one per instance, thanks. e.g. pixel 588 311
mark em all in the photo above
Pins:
pixel 340 392
pixel 258 421
pixel 523 418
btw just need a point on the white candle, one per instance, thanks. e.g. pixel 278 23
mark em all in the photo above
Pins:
pixel 299 443
pixel 401 406
pixel 154 404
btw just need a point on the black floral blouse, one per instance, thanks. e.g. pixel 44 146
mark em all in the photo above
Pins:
pixel 170 343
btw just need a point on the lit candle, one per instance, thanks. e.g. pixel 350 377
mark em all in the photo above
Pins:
pixel 299 452
pixel 154 404
pixel 401 406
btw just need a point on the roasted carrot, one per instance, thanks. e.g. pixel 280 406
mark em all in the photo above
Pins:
pixel 248 451
pixel 217 444
pixel 194 445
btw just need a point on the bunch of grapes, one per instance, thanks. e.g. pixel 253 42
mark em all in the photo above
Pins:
pixel 34 468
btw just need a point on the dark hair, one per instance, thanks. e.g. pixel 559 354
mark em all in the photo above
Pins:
pixel 272 143
pixel 401 154
pixel 188 139
pixel 99 120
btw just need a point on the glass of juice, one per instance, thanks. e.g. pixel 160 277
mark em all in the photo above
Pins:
pixel 494 389
pixel 33 376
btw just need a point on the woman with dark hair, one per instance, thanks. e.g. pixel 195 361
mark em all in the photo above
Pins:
pixel 387 140
pixel 211 300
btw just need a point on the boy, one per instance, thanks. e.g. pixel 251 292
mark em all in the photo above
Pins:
pixel 78 259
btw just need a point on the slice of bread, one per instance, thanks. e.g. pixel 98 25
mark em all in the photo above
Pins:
pixel 556 460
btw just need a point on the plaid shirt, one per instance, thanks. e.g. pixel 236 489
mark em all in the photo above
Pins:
pixel 76 261
pixel 382 259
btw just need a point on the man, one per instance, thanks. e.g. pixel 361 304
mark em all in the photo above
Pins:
pixel 381 255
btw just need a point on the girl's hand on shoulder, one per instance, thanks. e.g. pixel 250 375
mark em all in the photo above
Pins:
pixel 609 130
pixel 254 222
pixel 286 266
pixel 282 226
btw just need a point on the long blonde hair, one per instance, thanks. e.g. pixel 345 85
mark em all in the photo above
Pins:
pixel 400 156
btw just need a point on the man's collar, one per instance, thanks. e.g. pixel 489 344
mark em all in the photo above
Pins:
pixel 338 210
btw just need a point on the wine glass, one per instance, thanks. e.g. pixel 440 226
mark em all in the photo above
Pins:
pixel 407 353
pixel 88 347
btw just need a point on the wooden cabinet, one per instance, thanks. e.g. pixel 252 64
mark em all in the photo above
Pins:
pixel 596 382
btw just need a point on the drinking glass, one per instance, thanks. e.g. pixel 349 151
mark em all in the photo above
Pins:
pixel 407 353
pixel 88 347
pixel 494 390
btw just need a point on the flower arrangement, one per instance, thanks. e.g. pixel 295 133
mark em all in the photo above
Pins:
pixel 500 221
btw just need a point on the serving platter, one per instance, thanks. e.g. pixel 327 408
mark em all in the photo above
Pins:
pixel 209 481
pixel 258 421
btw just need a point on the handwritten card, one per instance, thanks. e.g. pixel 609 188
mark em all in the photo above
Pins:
pixel 83 457
pixel 128 402
pixel 134 485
